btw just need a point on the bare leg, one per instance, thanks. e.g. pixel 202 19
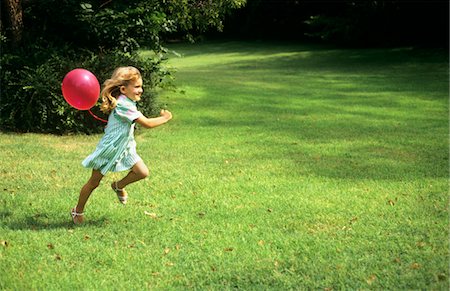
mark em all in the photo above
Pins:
pixel 87 189
pixel 138 172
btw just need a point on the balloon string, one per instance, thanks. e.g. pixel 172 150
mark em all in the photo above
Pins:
pixel 96 117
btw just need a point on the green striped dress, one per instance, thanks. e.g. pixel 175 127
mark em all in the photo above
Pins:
pixel 116 151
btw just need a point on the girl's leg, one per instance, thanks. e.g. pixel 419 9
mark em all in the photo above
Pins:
pixel 138 172
pixel 87 189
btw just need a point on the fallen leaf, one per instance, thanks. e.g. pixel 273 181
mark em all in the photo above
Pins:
pixel 346 228
pixel 228 249
pixel 421 244
pixel 50 246
pixel 391 202
pixel 269 210
pixel 86 237
pixel 166 251
pixel 415 266
pixel 353 220
pixel 151 214
pixel 58 257
pixel 371 279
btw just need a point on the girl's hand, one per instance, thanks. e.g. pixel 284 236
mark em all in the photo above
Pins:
pixel 166 114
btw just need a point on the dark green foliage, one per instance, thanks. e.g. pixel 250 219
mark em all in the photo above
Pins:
pixel 99 36
pixel 376 23
pixel 125 27
pixel 355 23
pixel 63 35
pixel 32 98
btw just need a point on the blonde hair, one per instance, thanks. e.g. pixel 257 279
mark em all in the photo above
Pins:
pixel 122 76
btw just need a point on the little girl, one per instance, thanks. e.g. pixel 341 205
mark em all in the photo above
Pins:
pixel 116 151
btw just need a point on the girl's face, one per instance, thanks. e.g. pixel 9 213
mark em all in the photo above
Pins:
pixel 133 90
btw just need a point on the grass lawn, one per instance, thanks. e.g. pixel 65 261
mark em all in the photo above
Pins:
pixel 286 166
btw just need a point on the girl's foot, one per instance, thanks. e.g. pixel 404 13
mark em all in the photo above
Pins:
pixel 77 218
pixel 122 195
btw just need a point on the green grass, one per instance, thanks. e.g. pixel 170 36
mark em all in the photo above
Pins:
pixel 286 166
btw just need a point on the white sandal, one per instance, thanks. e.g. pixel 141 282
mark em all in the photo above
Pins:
pixel 75 214
pixel 122 198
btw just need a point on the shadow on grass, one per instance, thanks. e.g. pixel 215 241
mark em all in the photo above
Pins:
pixel 312 57
pixel 267 48
pixel 355 114
pixel 43 222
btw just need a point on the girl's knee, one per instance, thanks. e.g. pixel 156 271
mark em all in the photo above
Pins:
pixel 143 173
pixel 141 170
pixel 94 180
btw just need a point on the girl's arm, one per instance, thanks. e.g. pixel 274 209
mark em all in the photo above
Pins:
pixel 156 121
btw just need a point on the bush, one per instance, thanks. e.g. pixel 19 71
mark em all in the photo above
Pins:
pixel 58 36
pixel 31 98
pixel 381 23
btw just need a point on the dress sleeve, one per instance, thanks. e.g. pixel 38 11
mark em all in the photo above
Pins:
pixel 127 111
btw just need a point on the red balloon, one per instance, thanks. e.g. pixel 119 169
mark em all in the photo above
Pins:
pixel 81 89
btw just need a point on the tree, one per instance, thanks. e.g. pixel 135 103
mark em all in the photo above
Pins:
pixel 153 19
pixel 194 17
pixel 41 40
pixel 15 20
pixel 349 22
